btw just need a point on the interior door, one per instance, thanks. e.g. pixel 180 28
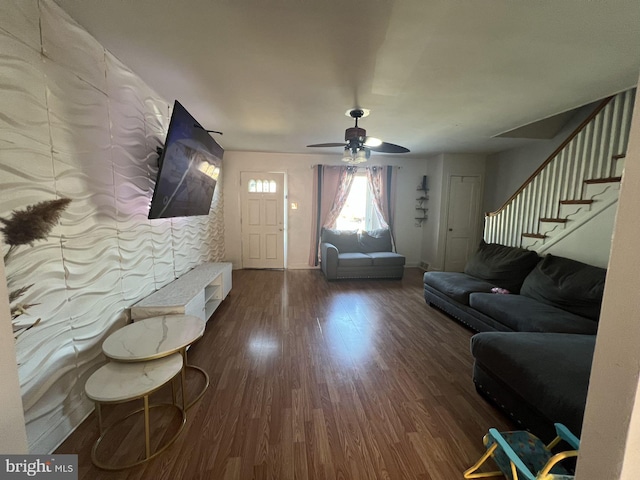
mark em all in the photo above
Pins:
pixel 462 221
pixel 262 219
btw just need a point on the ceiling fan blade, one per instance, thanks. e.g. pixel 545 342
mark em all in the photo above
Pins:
pixel 328 145
pixel 385 147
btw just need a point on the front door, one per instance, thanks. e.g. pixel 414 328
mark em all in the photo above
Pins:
pixel 262 219
pixel 462 221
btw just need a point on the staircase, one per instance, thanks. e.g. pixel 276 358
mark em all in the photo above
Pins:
pixel 577 182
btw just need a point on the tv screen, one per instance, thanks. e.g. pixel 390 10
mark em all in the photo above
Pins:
pixel 189 166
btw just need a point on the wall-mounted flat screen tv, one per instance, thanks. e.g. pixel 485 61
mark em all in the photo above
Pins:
pixel 189 166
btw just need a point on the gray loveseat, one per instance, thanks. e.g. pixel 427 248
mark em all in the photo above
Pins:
pixel 533 356
pixel 353 254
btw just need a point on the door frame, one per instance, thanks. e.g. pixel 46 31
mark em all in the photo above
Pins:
pixel 285 216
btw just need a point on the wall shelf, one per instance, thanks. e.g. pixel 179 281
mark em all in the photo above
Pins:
pixel 420 202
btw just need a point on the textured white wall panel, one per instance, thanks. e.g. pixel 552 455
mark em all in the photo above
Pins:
pixel 162 250
pixel 93 209
pixel 215 234
pixel 24 128
pixel 22 78
pixel 76 122
pixel 21 20
pixel 69 45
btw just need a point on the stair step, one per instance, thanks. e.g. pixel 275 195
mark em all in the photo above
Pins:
pixel 576 202
pixel 554 220
pixel 603 180
pixel 534 235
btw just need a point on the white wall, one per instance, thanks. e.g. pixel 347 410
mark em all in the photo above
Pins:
pixel 611 428
pixel 431 229
pixel 589 243
pixel 77 123
pixel 300 185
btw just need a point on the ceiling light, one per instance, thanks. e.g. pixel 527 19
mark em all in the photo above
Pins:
pixel 372 142
pixel 347 156
pixel 361 156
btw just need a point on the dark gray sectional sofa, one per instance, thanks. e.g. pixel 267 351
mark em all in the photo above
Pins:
pixel 533 355
pixel 536 378
pixel 352 254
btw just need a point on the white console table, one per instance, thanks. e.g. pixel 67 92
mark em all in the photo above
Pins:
pixel 197 292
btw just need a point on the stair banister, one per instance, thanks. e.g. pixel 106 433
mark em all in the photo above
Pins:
pixel 555 153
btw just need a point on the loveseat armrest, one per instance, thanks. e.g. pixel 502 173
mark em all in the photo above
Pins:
pixel 329 260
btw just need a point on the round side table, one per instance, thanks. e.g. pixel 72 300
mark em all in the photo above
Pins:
pixel 118 382
pixel 157 337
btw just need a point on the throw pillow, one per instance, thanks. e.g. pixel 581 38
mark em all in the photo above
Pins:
pixel 567 284
pixel 346 241
pixel 375 241
pixel 505 267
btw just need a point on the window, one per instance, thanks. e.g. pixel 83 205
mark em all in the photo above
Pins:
pixel 262 186
pixel 359 212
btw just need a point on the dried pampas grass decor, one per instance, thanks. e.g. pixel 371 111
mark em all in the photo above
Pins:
pixel 33 223
pixel 24 227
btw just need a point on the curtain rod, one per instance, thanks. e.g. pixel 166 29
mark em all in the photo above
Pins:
pixel 358 167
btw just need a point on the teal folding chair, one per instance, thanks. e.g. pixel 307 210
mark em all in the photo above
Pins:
pixel 521 455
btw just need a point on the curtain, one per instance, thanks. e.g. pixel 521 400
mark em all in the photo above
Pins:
pixel 331 187
pixel 382 182
pixel 347 175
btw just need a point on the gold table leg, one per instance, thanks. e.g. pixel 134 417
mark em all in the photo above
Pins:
pixel 147 441
pixel 145 410
pixel 204 374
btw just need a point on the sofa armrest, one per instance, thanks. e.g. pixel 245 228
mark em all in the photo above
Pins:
pixel 329 260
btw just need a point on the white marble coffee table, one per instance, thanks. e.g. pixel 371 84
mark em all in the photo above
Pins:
pixel 157 337
pixel 118 382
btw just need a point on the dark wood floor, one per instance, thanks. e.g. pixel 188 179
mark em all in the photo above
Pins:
pixel 317 380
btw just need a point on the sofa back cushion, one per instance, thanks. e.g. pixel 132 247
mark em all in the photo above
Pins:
pixel 505 267
pixel 375 241
pixel 346 241
pixel 568 284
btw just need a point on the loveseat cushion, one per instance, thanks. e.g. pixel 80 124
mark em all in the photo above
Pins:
pixel 549 371
pixel 387 258
pixel 346 241
pixel 354 260
pixel 523 314
pixel 567 284
pixel 503 266
pixel 375 241
pixel 455 285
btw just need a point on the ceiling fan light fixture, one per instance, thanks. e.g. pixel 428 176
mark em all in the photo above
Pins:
pixel 372 142
pixel 360 156
pixel 347 156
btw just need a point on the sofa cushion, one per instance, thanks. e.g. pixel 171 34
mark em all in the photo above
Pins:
pixel 503 266
pixel 549 371
pixel 354 260
pixel 375 241
pixel 386 258
pixel 567 284
pixel 523 314
pixel 346 241
pixel 456 285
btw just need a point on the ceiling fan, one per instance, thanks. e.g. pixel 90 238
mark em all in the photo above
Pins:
pixel 357 145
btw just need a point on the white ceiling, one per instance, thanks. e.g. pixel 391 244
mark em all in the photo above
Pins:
pixel 437 75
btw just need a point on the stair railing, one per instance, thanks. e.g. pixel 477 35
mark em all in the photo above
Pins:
pixel 590 152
